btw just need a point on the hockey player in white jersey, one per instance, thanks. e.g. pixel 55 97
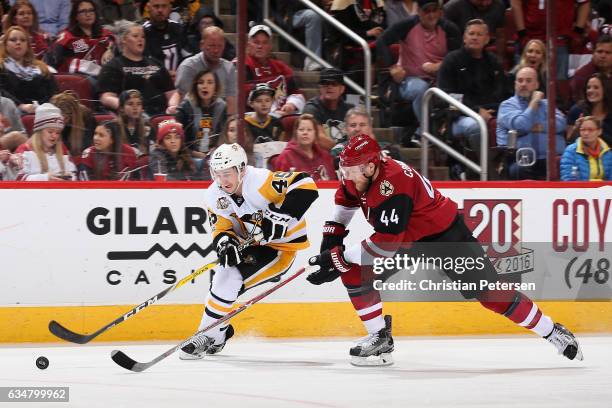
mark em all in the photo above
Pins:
pixel 243 200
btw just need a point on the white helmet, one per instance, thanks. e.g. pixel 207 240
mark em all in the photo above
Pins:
pixel 227 156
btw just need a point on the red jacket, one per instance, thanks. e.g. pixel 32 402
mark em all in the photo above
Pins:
pixel 320 167
pixel 109 169
pixel 72 54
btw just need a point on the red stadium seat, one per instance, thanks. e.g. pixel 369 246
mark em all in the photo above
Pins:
pixel 28 123
pixel 78 84
pixel 287 122
pixel 103 117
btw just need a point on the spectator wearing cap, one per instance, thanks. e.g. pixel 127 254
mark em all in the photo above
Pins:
pixel 171 156
pixel 211 46
pixel 202 113
pixel 45 158
pixel 329 108
pixel 262 68
pixel 263 126
pixel 108 158
pixel 424 40
pixel 493 12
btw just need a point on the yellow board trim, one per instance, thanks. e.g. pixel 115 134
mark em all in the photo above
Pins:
pixel 177 322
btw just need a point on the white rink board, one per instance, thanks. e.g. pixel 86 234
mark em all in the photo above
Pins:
pixel 51 258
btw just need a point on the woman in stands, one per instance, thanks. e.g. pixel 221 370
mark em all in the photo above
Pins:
pixel 596 102
pixel 202 113
pixel 108 158
pixel 303 152
pixel 79 124
pixel 24 15
pixel 171 156
pixel 133 70
pixel 134 123
pixel 23 78
pixel 84 46
pixel 45 158
pixel 590 157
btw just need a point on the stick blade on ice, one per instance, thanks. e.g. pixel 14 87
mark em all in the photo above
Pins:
pixel 124 361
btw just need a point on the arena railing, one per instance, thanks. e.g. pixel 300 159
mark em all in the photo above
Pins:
pixel 367 55
pixel 428 137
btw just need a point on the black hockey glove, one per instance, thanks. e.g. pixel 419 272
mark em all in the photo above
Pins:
pixel 333 235
pixel 227 251
pixel 332 264
pixel 274 224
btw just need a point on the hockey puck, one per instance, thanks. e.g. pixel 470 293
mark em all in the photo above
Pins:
pixel 42 362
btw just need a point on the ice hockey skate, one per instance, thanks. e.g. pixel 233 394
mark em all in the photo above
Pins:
pixel 565 342
pixel 217 347
pixel 374 349
pixel 196 349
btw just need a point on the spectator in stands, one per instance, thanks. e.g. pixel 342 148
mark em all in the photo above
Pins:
pixel 84 46
pixel 262 68
pixel 477 76
pixel 526 112
pixel 24 15
pixel 204 18
pixel 134 123
pixel 9 142
pixel 45 158
pixel 202 113
pixel 11 118
pixel 329 108
pixel 164 38
pixel 534 56
pixel 230 135
pixel 366 18
pixel 424 41
pixel 263 126
pixel 23 78
pixel 52 15
pixel 493 12
pixel 301 16
pixel 589 158
pixel 356 121
pixel 133 70
pixel 600 63
pixel 113 10
pixel 212 46
pixel 399 10
pixel 303 153
pixel 79 124
pixel 108 158
pixel 596 101
pixel 170 156
pixel 572 16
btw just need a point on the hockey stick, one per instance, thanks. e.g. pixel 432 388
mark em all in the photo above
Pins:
pixel 128 363
pixel 68 335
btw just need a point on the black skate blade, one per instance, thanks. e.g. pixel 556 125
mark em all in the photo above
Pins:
pixel 66 334
pixel 124 361
pixel 381 360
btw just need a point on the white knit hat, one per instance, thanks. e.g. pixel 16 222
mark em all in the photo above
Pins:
pixel 48 116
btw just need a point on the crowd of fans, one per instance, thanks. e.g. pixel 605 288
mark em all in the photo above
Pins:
pixel 157 85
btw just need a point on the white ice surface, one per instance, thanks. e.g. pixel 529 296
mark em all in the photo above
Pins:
pixel 513 372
